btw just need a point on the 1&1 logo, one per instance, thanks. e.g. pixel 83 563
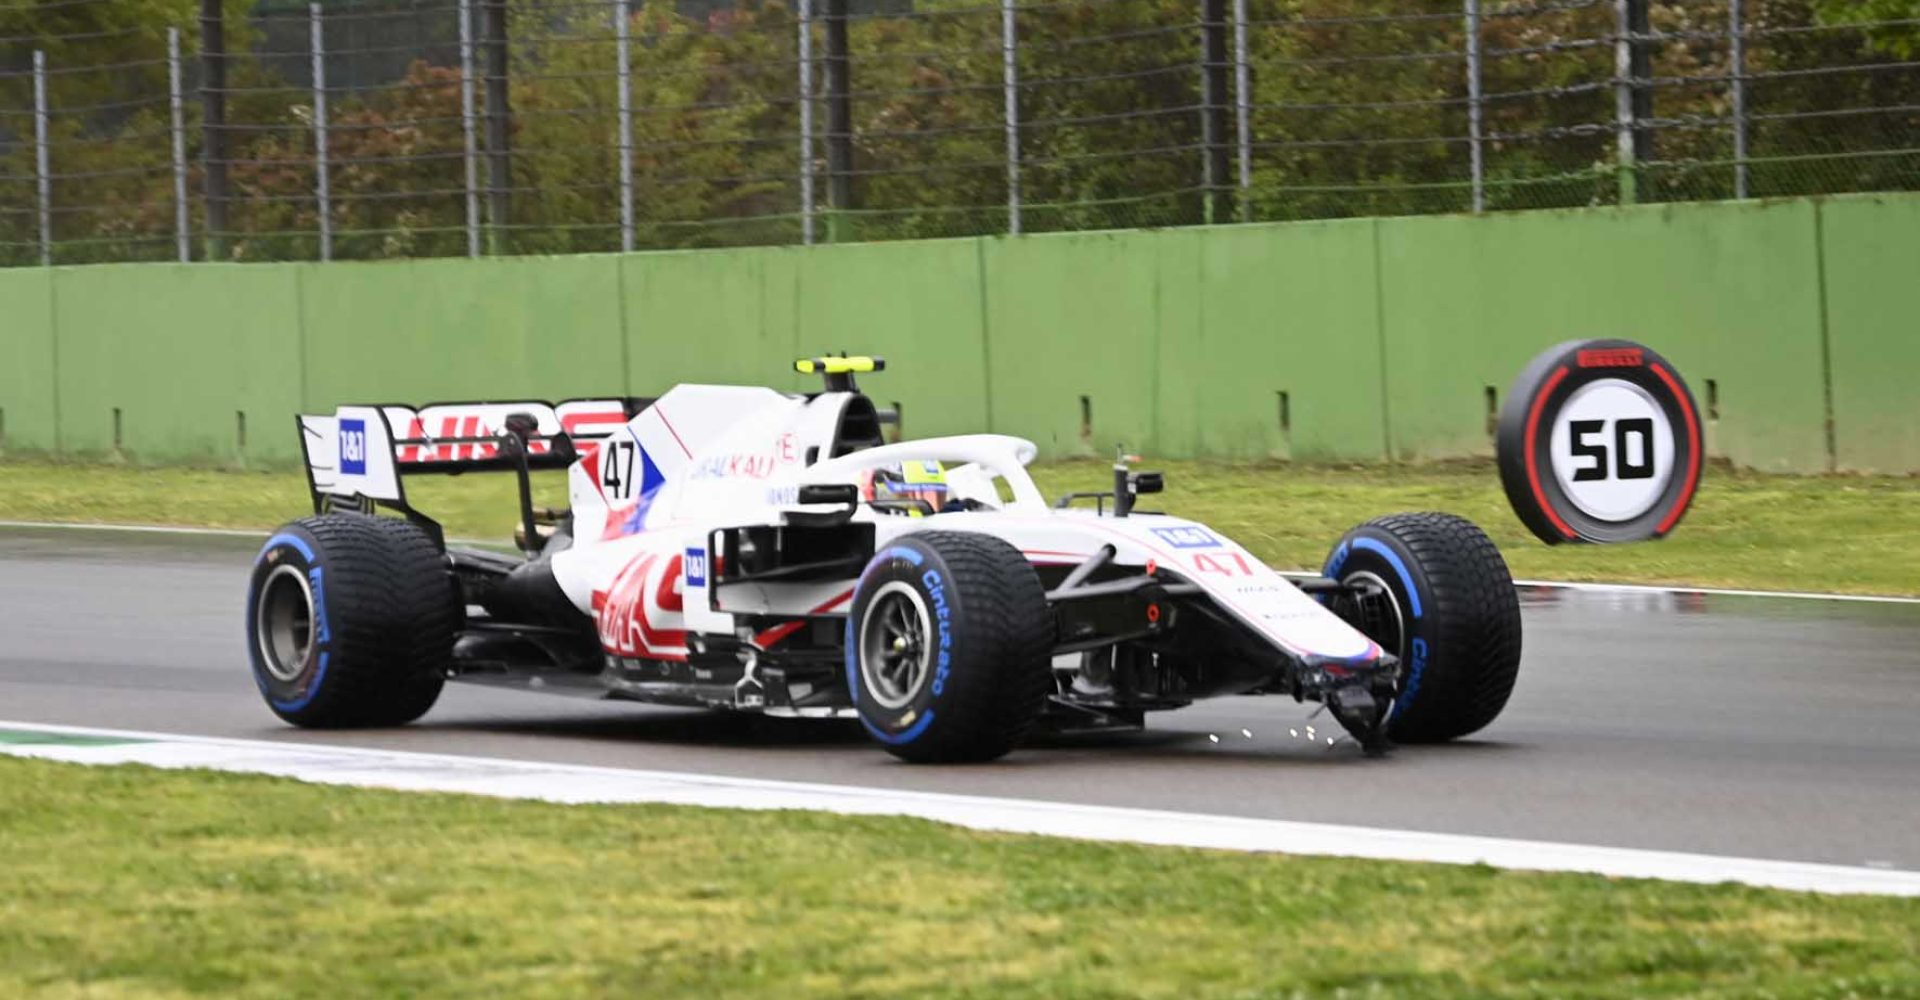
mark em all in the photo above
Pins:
pixel 1188 537
pixel 353 447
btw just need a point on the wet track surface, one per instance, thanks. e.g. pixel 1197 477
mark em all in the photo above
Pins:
pixel 1757 727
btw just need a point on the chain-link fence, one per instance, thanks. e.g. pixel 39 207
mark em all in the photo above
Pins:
pixel 278 129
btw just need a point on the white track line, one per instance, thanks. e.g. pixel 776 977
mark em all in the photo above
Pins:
pixel 148 529
pixel 1630 588
pixel 1635 588
pixel 167 529
pixel 570 783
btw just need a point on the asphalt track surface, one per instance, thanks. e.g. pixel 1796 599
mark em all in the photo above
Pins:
pixel 1743 726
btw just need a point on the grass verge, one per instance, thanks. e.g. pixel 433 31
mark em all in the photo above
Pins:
pixel 132 882
pixel 1857 535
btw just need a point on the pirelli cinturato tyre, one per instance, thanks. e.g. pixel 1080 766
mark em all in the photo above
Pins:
pixel 1435 592
pixel 948 646
pixel 350 621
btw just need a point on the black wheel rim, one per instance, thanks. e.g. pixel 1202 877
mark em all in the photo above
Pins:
pixel 894 653
pixel 283 623
pixel 1376 612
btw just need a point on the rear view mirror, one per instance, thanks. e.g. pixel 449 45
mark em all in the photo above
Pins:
pixel 845 494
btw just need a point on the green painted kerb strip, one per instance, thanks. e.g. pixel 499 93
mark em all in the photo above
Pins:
pixel 29 737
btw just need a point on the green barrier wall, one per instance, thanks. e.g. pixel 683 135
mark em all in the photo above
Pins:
pixel 1282 309
pixel 185 353
pixel 1872 250
pixel 1074 316
pixel 27 400
pixel 709 316
pixel 924 305
pixel 411 331
pixel 1350 340
pixel 1727 292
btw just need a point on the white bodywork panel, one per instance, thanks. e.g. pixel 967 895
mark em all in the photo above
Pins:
pixel 351 453
pixel 1238 582
pixel 746 467
pixel 648 494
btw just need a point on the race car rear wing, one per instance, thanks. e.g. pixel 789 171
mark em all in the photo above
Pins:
pixel 358 456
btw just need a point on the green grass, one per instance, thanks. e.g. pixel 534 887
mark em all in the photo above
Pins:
pixel 133 882
pixel 1832 533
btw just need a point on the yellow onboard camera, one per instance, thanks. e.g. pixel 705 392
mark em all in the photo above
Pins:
pixel 839 372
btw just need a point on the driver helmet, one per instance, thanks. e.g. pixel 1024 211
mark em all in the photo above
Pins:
pixel 925 481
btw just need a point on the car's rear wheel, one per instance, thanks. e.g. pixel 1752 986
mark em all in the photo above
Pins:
pixel 1433 589
pixel 350 621
pixel 948 645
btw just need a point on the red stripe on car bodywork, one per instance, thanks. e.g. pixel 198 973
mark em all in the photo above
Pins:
pixel 664 422
pixel 779 632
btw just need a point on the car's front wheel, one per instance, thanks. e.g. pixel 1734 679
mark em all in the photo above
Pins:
pixel 350 621
pixel 948 646
pixel 1432 589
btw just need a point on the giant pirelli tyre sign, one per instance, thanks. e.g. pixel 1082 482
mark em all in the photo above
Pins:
pixel 1599 441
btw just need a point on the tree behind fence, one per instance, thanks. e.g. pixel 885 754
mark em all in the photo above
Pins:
pixel 1123 113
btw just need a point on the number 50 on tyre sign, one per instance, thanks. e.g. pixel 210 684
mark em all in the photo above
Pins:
pixel 1599 441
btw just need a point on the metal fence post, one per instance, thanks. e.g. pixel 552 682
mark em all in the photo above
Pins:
pixel 1213 106
pixel 1737 69
pixel 493 30
pixel 1010 80
pixel 840 184
pixel 623 58
pixel 1623 99
pixel 469 147
pixel 806 121
pixel 213 120
pixel 42 174
pixel 1476 153
pixel 1640 43
pixel 322 197
pixel 1243 108
pixel 176 103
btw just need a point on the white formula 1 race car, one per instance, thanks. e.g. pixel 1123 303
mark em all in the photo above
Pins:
pixel 746 549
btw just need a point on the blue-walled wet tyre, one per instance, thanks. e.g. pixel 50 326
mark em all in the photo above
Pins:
pixel 1444 602
pixel 350 621
pixel 949 645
